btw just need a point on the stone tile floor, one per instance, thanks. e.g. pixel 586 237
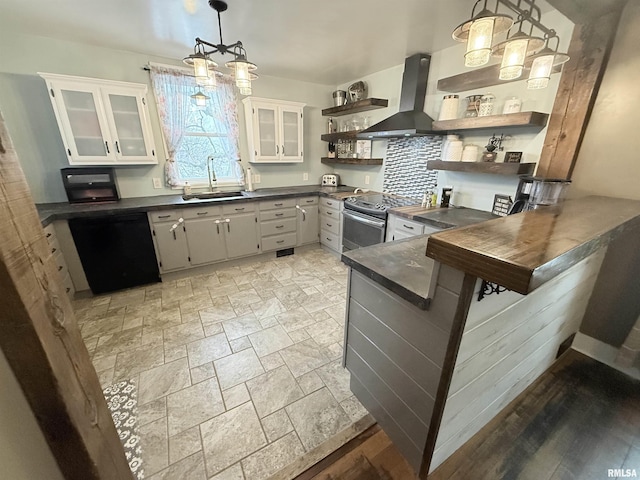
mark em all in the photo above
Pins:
pixel 238 371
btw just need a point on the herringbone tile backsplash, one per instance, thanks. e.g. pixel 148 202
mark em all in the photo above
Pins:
pixel 406 171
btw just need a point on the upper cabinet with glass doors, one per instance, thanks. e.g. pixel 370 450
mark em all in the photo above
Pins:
pixel 274 130
pixel 102 122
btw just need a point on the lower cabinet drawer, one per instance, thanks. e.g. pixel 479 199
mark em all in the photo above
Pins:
pixel 163 216
pixel 330 203
pixel 277 227
pixel 330 240
pixel 276 214
pixel 208 211
pixel 238 207
pixel 278 242
pixel 408 226
pixel 282 203
pixel 330 225
pixel 329 212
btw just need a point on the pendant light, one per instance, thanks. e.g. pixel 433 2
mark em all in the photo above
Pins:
pixel 200 99
pixel 543 64
pixel 204 67
pixel 479 31
pixel 514 50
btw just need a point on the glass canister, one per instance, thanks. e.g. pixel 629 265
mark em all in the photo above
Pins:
pixel 486 105
pixel 449 110
pixel 473 105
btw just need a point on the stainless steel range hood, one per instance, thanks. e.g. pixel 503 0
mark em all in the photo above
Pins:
pixel 411 120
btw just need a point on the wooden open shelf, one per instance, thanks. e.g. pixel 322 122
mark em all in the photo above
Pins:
pixel 482 78
pixel 334 137
pixel 520 119
pixel 356 107
pixel 483 167
pixel 351 161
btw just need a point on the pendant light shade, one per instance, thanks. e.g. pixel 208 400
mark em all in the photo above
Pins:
pixel 513 59
pixel 542 67
pixel 240 69
pixel 500 24
pixel 479 43
pixel 200 99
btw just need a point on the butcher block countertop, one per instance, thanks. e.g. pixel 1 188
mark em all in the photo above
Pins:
pixel 525 250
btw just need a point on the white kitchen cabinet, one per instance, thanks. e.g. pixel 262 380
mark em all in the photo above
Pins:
pixel 278 224
pixel 400 227
pixel 274 130
pixel 205 234
pixel 241 235
pixel 331 223
pixel 102 122
pixel 308 220
pixel 171 246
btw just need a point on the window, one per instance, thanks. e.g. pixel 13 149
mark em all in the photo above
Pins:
pixel 193 134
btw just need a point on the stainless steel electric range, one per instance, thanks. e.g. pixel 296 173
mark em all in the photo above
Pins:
pixel 365 219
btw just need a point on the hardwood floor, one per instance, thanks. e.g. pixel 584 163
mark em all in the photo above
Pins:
pixel 577 421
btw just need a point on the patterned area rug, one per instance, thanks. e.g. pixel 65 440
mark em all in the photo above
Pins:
pixel 123 403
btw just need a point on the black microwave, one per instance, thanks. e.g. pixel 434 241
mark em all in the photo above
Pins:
pixel 90 184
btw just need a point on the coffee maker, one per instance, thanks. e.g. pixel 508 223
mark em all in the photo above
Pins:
pixel 538 192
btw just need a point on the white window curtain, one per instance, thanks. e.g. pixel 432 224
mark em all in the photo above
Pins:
pixel 173 88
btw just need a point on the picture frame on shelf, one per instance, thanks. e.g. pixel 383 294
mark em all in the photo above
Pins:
pixel 363 149
pixel 513 157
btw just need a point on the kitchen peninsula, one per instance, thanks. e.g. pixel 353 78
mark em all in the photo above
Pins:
pixel 432 363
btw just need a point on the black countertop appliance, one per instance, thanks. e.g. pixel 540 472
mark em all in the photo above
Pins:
pixel 90 184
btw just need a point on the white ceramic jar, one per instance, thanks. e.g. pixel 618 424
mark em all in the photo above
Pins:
pixel 449 109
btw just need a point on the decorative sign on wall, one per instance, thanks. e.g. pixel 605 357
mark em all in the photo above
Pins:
pixel 512 157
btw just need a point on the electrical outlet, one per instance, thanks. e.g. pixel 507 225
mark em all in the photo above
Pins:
pixel 256 178
pixel 367 179
pixel 157 183
pixel 305 176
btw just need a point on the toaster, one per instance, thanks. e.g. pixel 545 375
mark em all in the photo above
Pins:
pixel 330 180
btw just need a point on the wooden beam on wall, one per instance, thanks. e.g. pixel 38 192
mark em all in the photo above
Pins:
pixel 585 11
pixel 42 343
pixel 590 48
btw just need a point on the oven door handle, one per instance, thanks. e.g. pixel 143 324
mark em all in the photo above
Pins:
pixel 362 219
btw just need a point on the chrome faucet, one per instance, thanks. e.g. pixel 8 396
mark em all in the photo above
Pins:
pixel 212 172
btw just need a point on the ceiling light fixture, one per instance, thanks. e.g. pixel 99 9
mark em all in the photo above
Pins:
pixel 543 64
pixel 205 69
pixel 200 99
pixel 479 31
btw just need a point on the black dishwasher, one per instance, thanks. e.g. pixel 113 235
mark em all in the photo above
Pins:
pixel 116 251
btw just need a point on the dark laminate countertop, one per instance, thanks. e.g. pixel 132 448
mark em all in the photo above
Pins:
pixel 400 266
pixel 443 217
pixel 523 251
pixel 62 211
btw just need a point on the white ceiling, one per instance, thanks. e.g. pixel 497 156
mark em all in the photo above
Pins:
pixel 321 41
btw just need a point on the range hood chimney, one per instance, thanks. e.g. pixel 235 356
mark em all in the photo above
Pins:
pixel 411 120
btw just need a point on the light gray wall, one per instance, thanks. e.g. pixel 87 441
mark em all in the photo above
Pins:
pixel 31 122
pixel 608 160
pixel 24 453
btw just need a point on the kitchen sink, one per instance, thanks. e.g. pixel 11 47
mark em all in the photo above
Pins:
pixel 212 195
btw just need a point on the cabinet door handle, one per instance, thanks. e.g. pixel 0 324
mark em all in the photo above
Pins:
pixel 328 225
pixel 202 213
pixel 329 213
pixel 106 146
pixel 164 216
pixel 407 226
pixel 60 267
pixel 279 214
pixel 278 204
pixel 310 201
pixel 117 147
pixel 277 150
pixel 329 239
pixel 228 220
pixel 330 203
pixel 48 235
pixel 279 226
pixel 282 149
pixel 68 289
pixel 304 214
pixel 280 241
pixel 174 235
pixel 237 210
pixel 53 250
